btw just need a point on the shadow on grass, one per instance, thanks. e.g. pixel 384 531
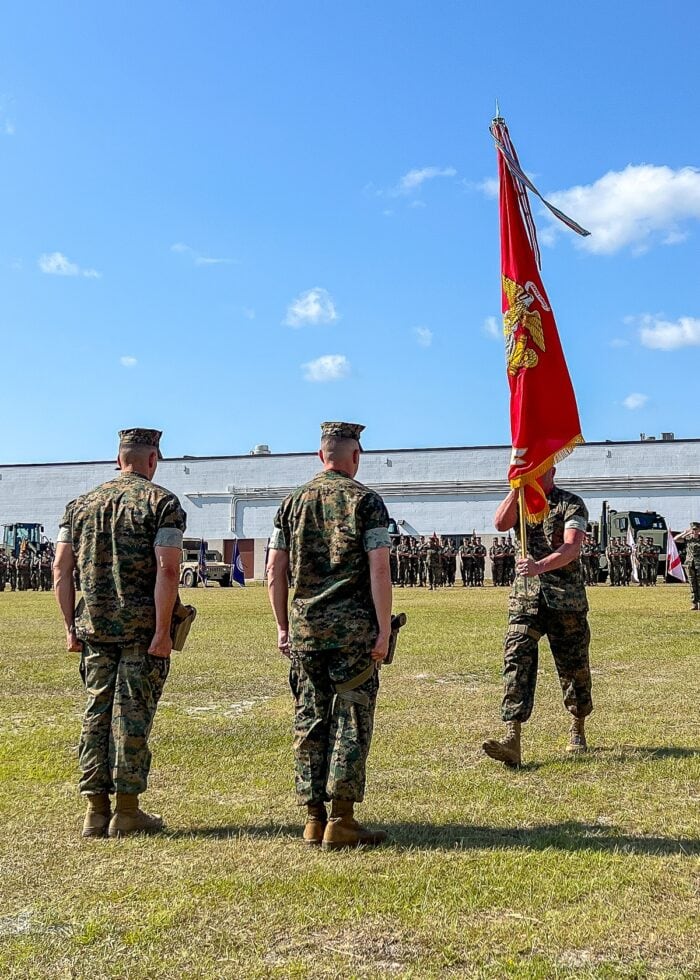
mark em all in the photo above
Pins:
pixel 632 752
pixel 570 835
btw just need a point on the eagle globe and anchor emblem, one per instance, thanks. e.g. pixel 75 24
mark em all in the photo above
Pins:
pixel 524 335
pixel 522 326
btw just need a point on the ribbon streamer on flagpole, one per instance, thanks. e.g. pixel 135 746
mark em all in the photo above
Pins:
pixel 501 137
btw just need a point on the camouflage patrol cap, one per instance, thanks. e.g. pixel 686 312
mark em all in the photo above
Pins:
pixel 695 525
pixel 141 437
pixel 343 430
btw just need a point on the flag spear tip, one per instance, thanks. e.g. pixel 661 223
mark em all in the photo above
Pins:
pixel 498 110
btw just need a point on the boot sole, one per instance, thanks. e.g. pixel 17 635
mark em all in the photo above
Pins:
pixel 93 834
pixel 494 753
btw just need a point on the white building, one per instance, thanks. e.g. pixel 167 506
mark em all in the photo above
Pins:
pixel 449 491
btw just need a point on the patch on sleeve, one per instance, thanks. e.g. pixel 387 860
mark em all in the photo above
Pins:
pixel 168 537
pixel 277 540
pixel 377 537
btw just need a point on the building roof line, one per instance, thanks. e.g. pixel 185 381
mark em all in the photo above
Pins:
pixel 608 443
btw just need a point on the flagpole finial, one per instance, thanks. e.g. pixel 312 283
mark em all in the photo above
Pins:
pixel 498 112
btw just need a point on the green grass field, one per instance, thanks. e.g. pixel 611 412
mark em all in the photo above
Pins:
pixel 566 868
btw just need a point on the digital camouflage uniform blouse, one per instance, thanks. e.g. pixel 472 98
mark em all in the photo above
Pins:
pixel 328 526
pixel 114 530
pixel 563 588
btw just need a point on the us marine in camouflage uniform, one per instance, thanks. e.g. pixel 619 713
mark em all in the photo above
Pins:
pixel 479 562
pixel 652 553
pixel 125 538
pixel 466 562
pixel 548 598
pixel 692 561
pixel 331 535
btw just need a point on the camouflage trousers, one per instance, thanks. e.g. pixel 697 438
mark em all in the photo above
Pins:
pixel 332 735
pixel 124 685
pixel 569 639
pixel 692 573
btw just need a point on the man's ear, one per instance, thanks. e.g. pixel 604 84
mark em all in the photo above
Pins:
pixel 356 457
pixel 320 456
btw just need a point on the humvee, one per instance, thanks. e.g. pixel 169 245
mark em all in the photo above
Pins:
pixel 217 569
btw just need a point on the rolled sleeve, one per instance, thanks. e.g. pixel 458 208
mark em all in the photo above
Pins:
pixel 278 541
pixel 168 537
pixel 65 535
pixel 577 523
pixel 170 517
pixel 376 537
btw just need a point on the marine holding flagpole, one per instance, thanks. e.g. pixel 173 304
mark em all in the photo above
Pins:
pixel 548 596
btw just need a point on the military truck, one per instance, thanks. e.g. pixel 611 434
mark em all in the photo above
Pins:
pixel 616 524
pixel 24 537
pixel 217 569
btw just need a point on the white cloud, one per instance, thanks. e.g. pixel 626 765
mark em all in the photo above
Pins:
pixel 424 336
pixel 128 361
pixel 56 264
pixel 314 306
pixel 411 181
pixel 197 257
pixel 635 400
pixel 329 367
pixel 492 328
pixel 417 204
pixel 662 334
pixel 8 127
pixel 635 208
pixel 618 342
pixel 488 186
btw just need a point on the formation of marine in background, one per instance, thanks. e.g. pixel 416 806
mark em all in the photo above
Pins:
pixel 28 571
pixel 622 559
pixel 502 555
pixel 434 561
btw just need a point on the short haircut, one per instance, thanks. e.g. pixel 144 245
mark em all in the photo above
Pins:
pixel 338 446
pixel 133 453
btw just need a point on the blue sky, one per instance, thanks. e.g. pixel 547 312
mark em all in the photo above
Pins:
pixel 232 221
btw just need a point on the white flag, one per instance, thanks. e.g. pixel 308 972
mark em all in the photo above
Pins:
pixel 673 560
pixel 631 544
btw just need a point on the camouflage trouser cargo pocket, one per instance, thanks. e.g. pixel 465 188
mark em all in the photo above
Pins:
pixel 569 639
pixel 124 685
pixel 332 735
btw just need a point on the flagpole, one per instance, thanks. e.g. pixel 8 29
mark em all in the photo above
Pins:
pixel 523 529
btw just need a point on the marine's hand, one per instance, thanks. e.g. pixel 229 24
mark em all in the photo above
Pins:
pixel 380 648
pixel 161 645
pixel 73 644
pixel 528 567
pixel 283 642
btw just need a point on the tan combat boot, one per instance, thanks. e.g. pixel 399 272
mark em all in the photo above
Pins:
pixel 128 819
pixel 508 749
pixel 97 815
pixel 316 820
pixel 343 830
pixel 577 737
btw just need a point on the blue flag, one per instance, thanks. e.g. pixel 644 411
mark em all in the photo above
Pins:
pixel 237 575
pixel 202 563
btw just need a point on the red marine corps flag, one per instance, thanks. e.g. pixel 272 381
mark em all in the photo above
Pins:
pixel 543 416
